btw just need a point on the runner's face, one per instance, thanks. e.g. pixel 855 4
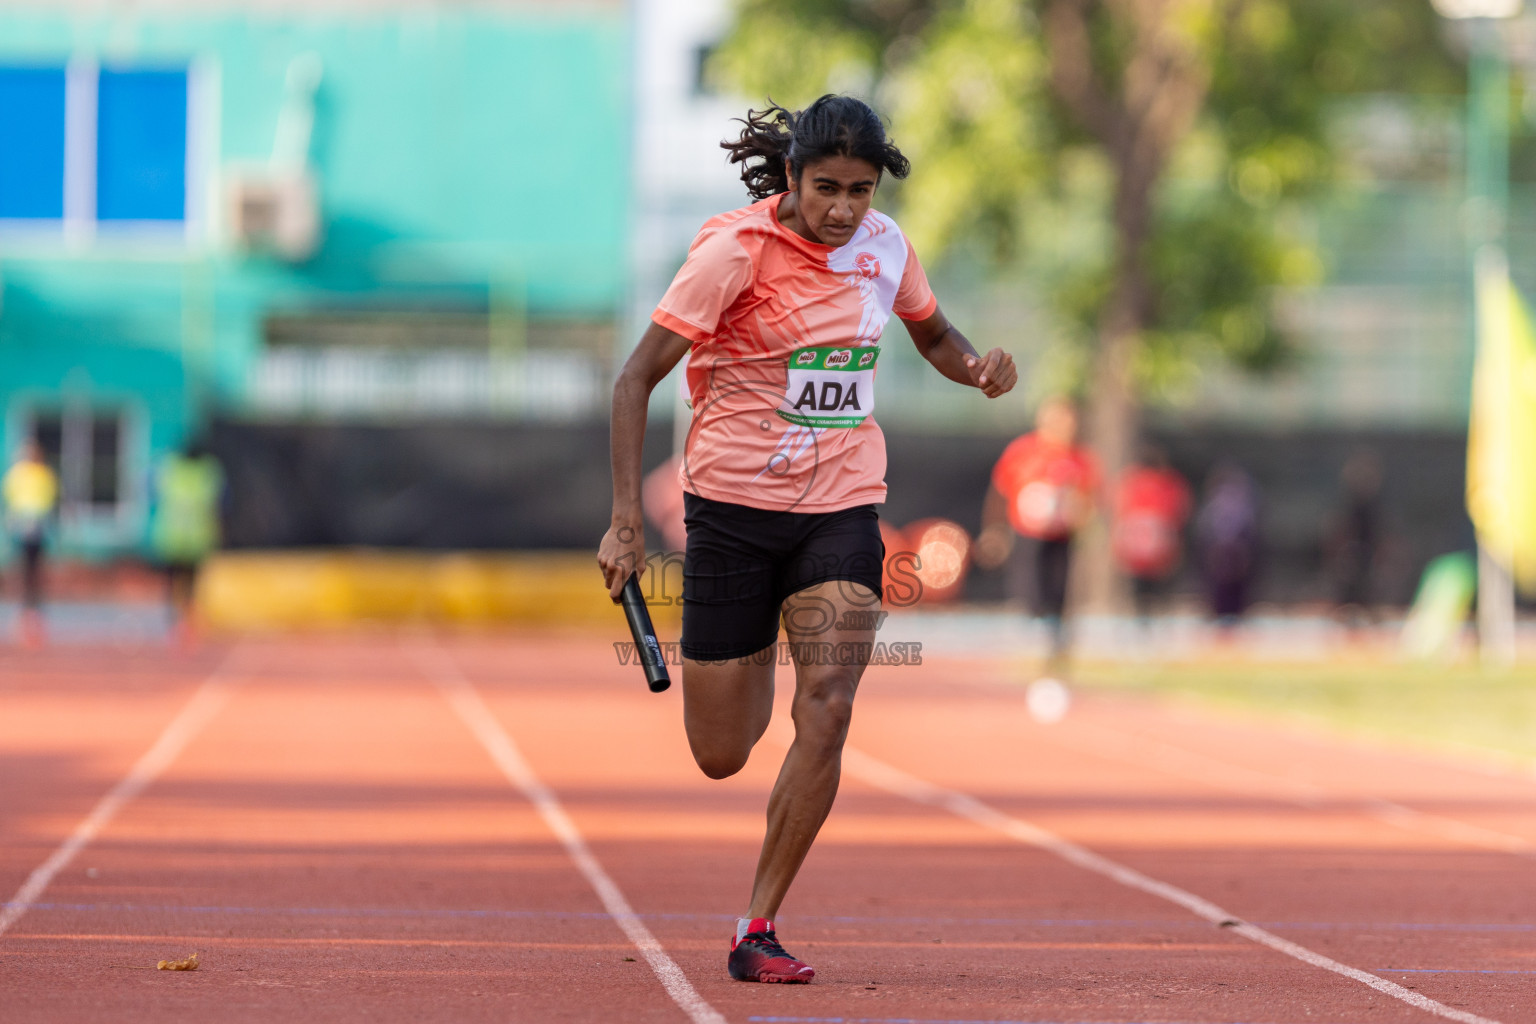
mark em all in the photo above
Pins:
pixel 833 195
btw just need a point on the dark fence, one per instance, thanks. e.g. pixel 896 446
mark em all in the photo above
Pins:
pixel 459 485
pixel 429 486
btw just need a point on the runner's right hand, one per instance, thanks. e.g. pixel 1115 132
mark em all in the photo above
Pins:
pixel 621 553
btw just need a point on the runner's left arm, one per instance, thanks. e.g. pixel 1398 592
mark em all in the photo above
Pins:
pixel 942 344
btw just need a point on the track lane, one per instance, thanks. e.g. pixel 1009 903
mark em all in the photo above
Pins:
pixel 306 797
pixel 874 837
pixel 1333 863
pixel 467 703
pixel 74 725
pixel 337 844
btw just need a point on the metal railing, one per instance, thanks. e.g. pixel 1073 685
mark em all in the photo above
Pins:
pixel 357 382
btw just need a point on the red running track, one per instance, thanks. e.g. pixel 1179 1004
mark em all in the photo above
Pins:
pixel 382 827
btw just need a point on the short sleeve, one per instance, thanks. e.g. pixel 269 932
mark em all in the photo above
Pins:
pixel 914 299
pixel 717 271
pixel 1005 475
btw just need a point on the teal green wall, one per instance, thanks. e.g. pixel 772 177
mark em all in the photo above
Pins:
pixel 465 159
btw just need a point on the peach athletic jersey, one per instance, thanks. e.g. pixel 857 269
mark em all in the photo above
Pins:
pixel 781 374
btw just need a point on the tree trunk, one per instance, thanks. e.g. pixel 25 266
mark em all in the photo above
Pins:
pixel 1112 413
pixel 1138 117
pixel 1112 433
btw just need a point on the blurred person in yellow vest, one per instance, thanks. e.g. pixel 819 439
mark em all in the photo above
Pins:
pixel 31 492
pixel 188 486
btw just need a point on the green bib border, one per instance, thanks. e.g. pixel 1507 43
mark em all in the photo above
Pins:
pixel 823 351
pixel 812 421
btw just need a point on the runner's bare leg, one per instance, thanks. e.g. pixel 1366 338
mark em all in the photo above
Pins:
pixel 816 620
pixel 726 708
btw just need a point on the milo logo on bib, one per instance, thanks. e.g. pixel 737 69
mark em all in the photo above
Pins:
pixel 830 386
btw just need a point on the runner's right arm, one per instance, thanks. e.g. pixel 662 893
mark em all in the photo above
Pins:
pixel 623 547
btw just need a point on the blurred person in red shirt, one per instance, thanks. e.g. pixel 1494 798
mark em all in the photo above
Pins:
pixel 1043 489
pixel 1151 509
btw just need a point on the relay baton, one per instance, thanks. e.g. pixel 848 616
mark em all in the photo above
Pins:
pixel 649 648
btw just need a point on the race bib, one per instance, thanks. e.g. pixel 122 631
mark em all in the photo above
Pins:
pixel 830 386
pixel 1045 509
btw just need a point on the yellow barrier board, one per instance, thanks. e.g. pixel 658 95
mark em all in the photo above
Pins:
pixel 284 590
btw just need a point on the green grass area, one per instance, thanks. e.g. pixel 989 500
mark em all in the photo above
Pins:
pixel 1448 707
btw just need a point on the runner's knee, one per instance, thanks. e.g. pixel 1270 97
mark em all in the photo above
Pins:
pixel 720 762
pixel 823 717
pixel 717 752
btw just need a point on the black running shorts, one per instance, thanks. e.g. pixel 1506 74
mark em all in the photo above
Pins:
pixel 742 562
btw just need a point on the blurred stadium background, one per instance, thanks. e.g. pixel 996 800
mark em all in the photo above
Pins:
pixel 386 258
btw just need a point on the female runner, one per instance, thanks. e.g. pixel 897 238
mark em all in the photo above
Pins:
pixel 782 305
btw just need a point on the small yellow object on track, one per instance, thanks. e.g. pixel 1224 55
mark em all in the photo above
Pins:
pixel 189 964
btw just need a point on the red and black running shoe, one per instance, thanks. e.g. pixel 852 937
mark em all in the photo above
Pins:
pixel 757 956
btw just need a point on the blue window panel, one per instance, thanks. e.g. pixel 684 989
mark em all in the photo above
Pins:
pixel 141 145
pixel 32 142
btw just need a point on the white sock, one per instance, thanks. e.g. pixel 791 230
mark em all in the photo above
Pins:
pixel 743 924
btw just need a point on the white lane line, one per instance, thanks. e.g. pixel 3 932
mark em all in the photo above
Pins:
pixel 1181 762
pixel 469 706
pixel 206 702
pixel 894 780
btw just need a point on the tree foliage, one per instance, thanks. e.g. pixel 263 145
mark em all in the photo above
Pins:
pixel 1013 137
pixel 1143 158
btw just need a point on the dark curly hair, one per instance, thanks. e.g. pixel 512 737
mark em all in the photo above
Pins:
pixel 832 126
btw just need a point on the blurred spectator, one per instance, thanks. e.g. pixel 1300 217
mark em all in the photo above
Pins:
pixel 31 491
pixel 1043 489
pixel 1357 534
pixel 1151 509
pixel 188 486
pixel 1227 538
